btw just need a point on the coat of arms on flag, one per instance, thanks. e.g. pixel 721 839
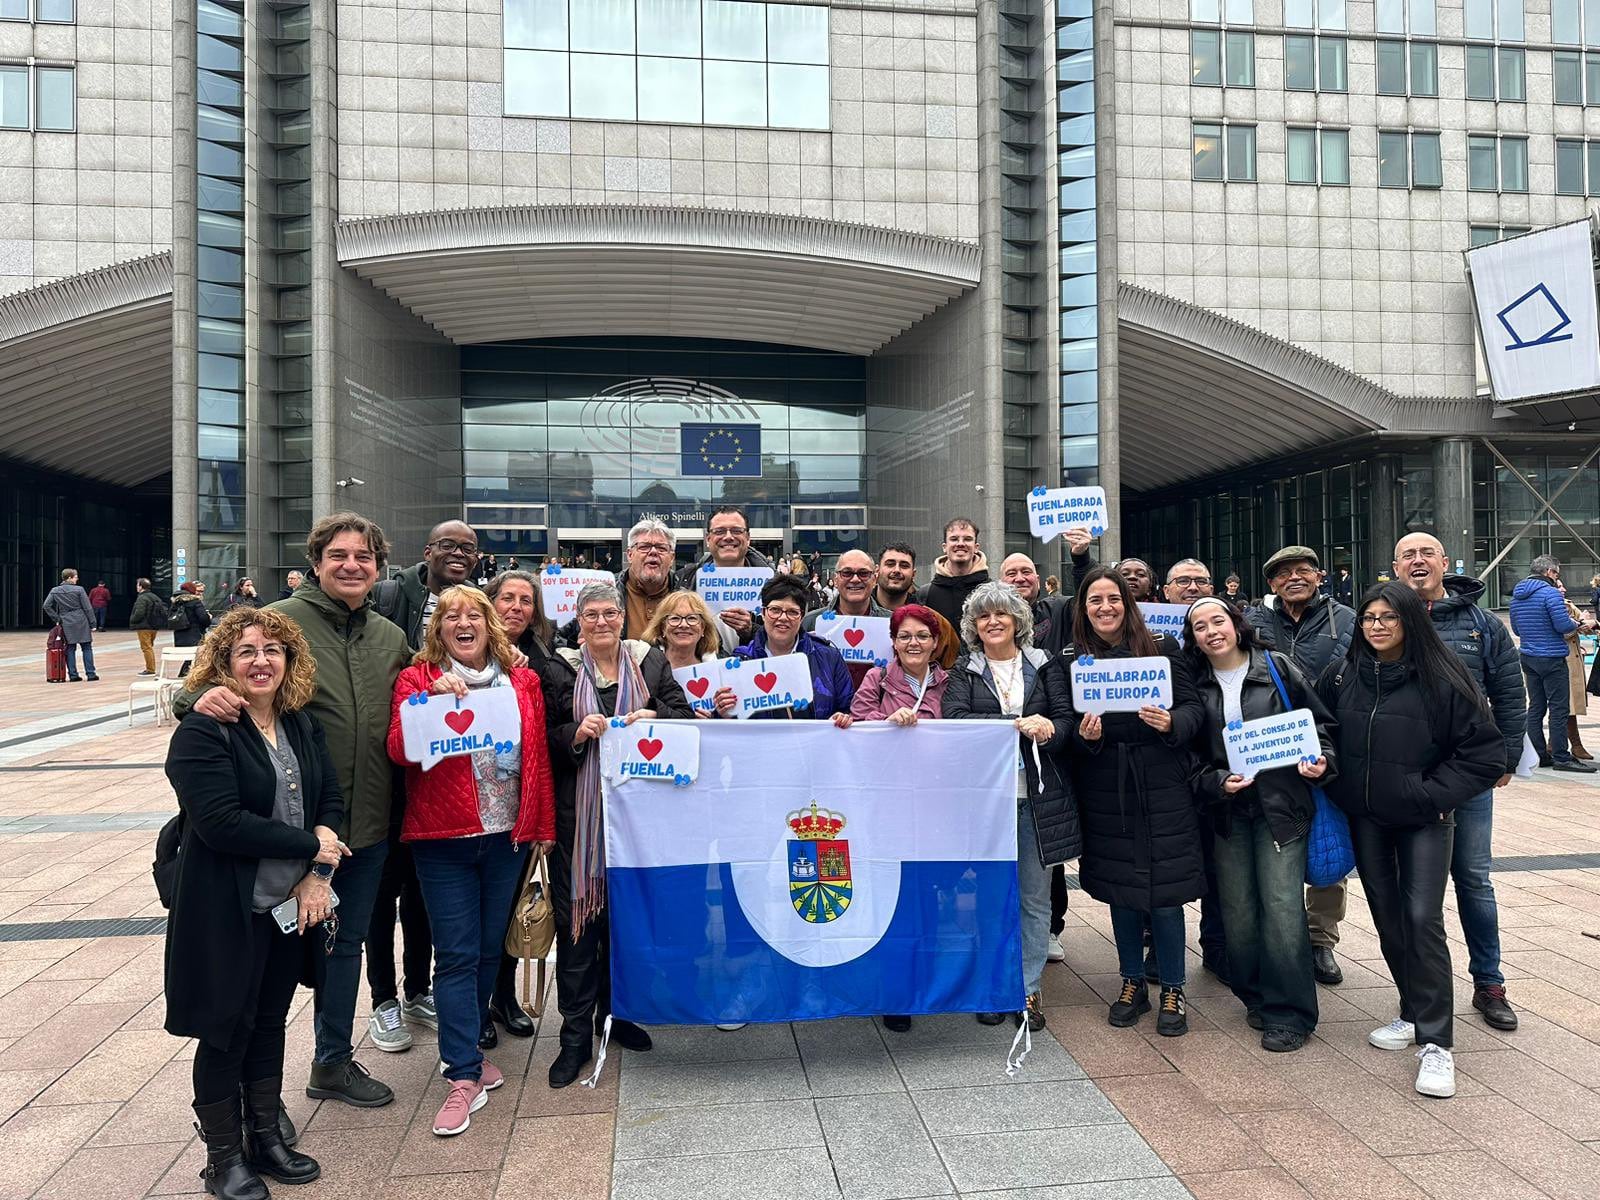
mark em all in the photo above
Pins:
pixel 819 865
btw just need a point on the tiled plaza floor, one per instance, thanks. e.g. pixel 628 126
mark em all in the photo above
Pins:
pixel 94 1095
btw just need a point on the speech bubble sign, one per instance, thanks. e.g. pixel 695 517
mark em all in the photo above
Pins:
pixel 700 683
pixel 1121 684
pixel 768 684
pixel 1266 743
pixel 1164 618
pixel 1056 510
pixel 723 588
pixel 658 752
pixel 559 588
pixel 858 639
pixel 439 727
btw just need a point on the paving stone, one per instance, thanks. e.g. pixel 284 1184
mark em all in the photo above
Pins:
pixel 1044 1105
pixel 975 1064
pixel 719 1128
pixel 1042 1157
pixel 768 1175
pixel 880 1149
pixel 673 1085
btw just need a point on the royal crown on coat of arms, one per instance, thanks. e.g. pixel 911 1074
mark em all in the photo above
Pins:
pixel 819 865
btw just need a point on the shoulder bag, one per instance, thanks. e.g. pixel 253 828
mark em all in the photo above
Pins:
pixel 1330 854
pixel 532 929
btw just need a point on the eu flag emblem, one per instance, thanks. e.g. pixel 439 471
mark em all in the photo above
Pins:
pixel 718 451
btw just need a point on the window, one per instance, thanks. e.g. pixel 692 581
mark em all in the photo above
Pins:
pixel 53 96
pixel 1218 56
pixel 1241 153
pixel 1392 69
pixel 1398 16
pixel 1497 164
pixel 1314 64
pixel 53 12
pixel 1425 168
pixel 1205 57
pixel 1575 158
pixel 714 62
pixel 13 97
pixel 1224 152
pixel 1207 151
pixel 1486 63
pixel 1314 14
pixel 1493 20
pixel 1309 147
pixel 1241 58
pixel 1482 235
pixel 1576 77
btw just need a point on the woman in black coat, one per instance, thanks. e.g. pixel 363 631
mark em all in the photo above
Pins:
pixel 260 804
pixel 1260 821
pixel 1004 675
pixel 188 599
pixel 1131 773
pixel 1415 740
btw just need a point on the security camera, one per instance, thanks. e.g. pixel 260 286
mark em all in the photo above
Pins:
pixel 978 487
pixel 1572 427
pixel 351 482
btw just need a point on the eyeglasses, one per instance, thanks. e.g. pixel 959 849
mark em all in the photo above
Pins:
pixel 782 612
pixel 1387 620
pixel 651 548
pixel 683 619
pixel 854 573
pixel 1304 570
pixel 251 653
pixel 730 531
pixel 604 616
pixel 907 638
pixel 1190 581
pixel 451 546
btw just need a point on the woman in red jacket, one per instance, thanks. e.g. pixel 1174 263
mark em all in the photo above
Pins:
pixel 469 819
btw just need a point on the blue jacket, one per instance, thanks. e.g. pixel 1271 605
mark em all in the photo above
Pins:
pixel 1539 617
pixel 1485 648
pixel 831 689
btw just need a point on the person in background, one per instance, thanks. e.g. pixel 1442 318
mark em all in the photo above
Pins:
pixel 1188 579
pixel 1577 676
pixel 1052 615
pixel 1141 579
pixel 244 595
pixel 1415 739
pixel 1260 823
pixel 1131 775
pixel 1485 648
pixel 190 618
pixel 291 582
pixel 727 545
pixel 1540 619
pixel 468 821
pixel 148 618
pixel 686 632
pixel 782 612
pixel 1313 631
pixel 605 677
pixel 854 579
pixel 897 576
pixel 1052 585
pixel 1233 589
pixel 448 558
pixel 100 601
pixel 960 569
pixel 1344 588
pixel 68 605
pixel 1594 594
pixel 260 806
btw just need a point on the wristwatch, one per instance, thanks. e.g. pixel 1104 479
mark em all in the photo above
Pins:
pixel 322 871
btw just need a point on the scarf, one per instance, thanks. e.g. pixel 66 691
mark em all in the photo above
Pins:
pixel 489 764
pixel 588 843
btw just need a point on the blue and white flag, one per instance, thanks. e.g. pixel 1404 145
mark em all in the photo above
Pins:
pixel 814 872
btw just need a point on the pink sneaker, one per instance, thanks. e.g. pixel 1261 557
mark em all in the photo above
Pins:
pixel 491 1077
pixel 455 1114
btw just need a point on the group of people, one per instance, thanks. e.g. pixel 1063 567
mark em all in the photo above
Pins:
pixel 307 829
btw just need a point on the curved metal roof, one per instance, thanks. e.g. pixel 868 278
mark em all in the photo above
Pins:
pixel 86 372
pixel 482 275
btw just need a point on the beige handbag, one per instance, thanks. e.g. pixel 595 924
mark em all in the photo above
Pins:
pixel 532 930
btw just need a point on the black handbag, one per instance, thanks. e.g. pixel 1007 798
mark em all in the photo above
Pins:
pixel 169 848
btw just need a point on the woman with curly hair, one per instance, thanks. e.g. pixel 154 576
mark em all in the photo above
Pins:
pixel 260 807
pixel 468 821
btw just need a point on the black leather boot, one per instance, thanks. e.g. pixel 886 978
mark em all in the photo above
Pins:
pixel 286 1128
pixel 264 1145
pixel 226 1173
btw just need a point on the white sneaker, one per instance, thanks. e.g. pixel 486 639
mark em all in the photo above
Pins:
pixel 421 1011
pixel 1053 951
pixel 1396 1035
pixel 1437 1074
pixel 388 1030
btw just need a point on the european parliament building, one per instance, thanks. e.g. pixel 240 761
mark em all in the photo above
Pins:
pixel 858 266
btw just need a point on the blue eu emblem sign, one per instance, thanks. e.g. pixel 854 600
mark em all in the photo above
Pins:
pixel 819 866
pixel 720 451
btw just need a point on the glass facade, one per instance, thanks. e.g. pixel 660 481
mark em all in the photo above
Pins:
pixel 586 434
pixel 1079 253
pixel 1504 501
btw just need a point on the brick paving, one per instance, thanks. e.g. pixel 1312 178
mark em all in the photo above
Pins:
pixel 94 1095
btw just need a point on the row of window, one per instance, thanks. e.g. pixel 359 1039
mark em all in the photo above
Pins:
pixel 1227 152
pixel 1572 22
pixel 38 98
pixel 741 30
pixel 45 12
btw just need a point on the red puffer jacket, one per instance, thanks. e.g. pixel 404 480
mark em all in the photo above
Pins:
pixel 443 802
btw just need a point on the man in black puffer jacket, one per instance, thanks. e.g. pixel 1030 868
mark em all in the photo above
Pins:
pixel 1486 649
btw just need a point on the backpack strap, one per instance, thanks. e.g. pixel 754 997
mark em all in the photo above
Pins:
pixel 386 598
pixel 1277 681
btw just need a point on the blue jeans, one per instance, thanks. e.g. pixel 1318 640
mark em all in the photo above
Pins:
pixel 72 659
pixel 466 885
pixel 1469 866
pixel 1548 691
pixel 1262 889
pixel 356 882
pixel 1166 931
pixel 1033 888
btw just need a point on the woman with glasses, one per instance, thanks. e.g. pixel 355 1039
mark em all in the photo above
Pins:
pixel 260 806
pixel 912 685
pixel 605 677
pixel 686 632
pixel 1415 739
pixel 783 609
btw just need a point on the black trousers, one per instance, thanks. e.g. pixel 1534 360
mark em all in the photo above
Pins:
pixel 254 1050
pixel 398 885
pixel 1403 872
pixel 583 967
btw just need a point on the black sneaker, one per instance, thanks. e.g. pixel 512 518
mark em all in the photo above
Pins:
pixel 1326 967
pixel 990 1018
pixel 348 1081
pixel 1035 1012
pixel 896 1024
pixel 568 1065
pixel 1490 1000
pixel 1282 1041
pixel 1254 1019
pixel 1571 765
pixel 1172 1020
pixel 1134 1001
pixel 629 1036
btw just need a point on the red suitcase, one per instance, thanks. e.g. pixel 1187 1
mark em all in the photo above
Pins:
pixel 55 657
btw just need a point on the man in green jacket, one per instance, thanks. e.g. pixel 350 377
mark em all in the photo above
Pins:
pixel 359 655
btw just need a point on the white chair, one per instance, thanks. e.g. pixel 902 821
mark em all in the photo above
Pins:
pixel 167 683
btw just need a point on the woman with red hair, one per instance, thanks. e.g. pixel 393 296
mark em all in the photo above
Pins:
pixel 912 684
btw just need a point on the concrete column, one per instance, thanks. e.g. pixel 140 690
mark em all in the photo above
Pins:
pixel 1105 160
pixel 185 298
pixel 324 257
pixel 991 468
pixel 1452 497
pixel 1383 517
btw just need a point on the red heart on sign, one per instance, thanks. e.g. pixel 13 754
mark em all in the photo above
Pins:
pixel 459 720
pixel 697 687
pixel 649 747
pixel 767 680
pixel 854 636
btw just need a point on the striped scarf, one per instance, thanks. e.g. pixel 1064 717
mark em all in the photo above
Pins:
pixel 588 844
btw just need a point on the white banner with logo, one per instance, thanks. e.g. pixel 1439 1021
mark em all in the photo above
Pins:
pixel 1535 297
